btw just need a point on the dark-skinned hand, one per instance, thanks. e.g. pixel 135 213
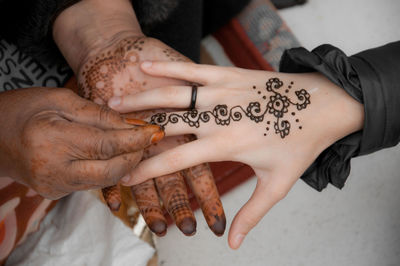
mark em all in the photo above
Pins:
pixel 56 142
pixel 104 45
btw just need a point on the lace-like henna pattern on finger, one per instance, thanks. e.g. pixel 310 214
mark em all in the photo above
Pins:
pixel 277 104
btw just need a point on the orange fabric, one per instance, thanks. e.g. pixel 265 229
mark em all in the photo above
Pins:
pixel 2 231
pixel 239 48
pixel 21 211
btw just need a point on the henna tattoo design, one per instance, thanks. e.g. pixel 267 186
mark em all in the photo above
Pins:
pixel 278 105
pixel 98 73
pixel 173 55
pixel 104 75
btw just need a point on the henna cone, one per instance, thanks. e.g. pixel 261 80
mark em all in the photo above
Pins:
pixel 202 183
pixel 148 203
pixel 112 196
pixel 173 192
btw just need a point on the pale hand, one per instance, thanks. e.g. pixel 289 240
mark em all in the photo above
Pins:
pixel 276 123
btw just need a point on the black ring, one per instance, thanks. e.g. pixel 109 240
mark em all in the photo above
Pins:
pixel 194 97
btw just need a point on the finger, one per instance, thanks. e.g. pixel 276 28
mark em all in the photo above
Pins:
pixel 148 203
pixel 201 181
pixel 112 197
pixel 173 160
pixel 83 111
pixel 86 142
pixel 173 192
pixel 264 197
pixel 104 173
pixel 182 123
pixel 167 97
pixel 108 144
pixel 203 74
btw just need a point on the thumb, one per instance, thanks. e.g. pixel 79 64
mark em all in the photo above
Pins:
pixel 267 193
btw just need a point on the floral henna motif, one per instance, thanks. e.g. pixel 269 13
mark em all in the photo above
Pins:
pixel 278 105
pixel 303 96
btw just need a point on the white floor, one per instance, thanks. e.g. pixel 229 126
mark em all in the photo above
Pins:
pixel 359 225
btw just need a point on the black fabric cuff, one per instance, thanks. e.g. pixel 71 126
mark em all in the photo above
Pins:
pixel 378 70
pixel 29 25
pixel 370 79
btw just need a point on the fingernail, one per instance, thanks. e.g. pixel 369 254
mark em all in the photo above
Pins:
pixel 146 64
pixel 219 226
pixel 114 101
pixel 125 179
pixel 157 137
pixel 238 240
pixel 188 226
pixel 136 122
pixel 158 227
pixel 114 206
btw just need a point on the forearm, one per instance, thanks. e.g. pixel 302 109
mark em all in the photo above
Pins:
pixel 81 29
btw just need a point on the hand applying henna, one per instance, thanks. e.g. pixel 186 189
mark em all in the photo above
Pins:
pixel 276 123
pixel 108 65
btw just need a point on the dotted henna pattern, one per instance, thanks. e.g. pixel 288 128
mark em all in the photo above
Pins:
pixel 174 56
pixel 277 105
pixel 98 73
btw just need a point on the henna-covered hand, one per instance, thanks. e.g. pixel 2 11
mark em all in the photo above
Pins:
pixel 114 71
pixel 276 123
pixel 56 143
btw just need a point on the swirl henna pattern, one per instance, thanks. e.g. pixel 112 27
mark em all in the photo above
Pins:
pixel 278 105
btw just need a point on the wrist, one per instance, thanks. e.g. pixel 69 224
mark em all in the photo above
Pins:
pixel 89 25
pixel 335 113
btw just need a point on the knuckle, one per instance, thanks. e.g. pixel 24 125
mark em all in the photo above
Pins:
pixel 174 159
pixel 105 148
pixel 171 93
pixel 134 160
pixel 108 177
pixel 106 114
pixel 278 194
pixel 154 42
pixel 193 68
pixel 29 136
pixel 250 221
pixel 60 94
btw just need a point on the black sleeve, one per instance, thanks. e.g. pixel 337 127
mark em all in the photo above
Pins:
pixel 371 77
pixel 27 23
